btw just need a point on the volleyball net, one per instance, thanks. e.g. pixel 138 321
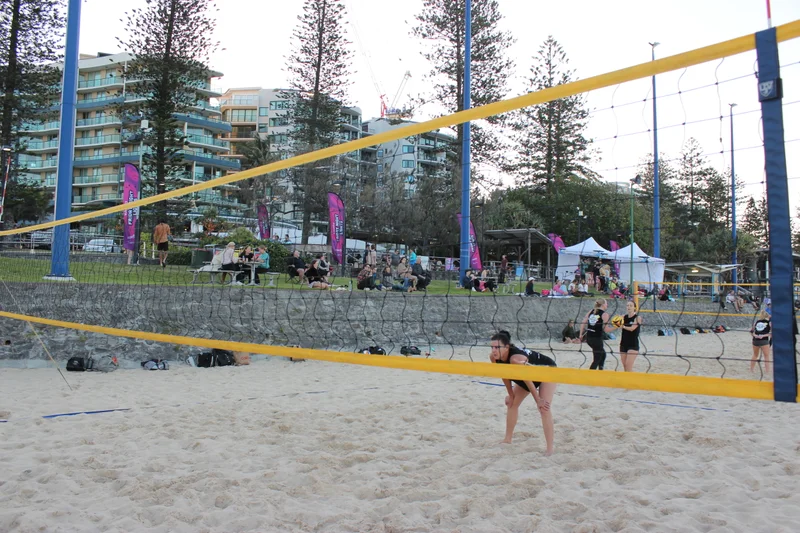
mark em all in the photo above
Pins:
pixel 697 318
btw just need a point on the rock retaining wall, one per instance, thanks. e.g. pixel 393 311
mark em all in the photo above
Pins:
pixel 315 319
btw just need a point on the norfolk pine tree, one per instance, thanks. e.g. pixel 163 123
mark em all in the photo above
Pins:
pixel 550 137
pixel 171 43
pixel 442 24
pixel 31 33
pixel 318 67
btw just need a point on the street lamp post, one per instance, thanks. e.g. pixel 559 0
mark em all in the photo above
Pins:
pixel 733 206
pixel 656 186
pixel 635 181
pixel 482 207
pixel 580 217
pixel 7 153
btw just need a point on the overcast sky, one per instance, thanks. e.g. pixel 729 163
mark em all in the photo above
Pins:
pixel 597 36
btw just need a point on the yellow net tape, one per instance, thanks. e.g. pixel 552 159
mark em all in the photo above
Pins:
pixel 733 388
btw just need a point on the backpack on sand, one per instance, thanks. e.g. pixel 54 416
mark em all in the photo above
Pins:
pixel 206 360
pixel 80 364
pixel 105 363
pixel 410 350
pixel 224 357
pixel 375 350
pixel 155 364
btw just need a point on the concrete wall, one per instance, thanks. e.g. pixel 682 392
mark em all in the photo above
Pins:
pixel 314 319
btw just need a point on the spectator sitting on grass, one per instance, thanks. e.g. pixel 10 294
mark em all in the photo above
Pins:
pixel 324 267
pixel 530 290
pixel 314 276
pixel 583 288
pixel 366 278
pixel 559 289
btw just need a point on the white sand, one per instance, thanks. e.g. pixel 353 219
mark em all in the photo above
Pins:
pixel 281 446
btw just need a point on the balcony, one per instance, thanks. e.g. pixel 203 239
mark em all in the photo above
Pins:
pixel 95 180
pixel 43 127
pixel 207 90
pixel 98 121
pixel 100 139
pixel 207 140
pixel 41 164
pixel 39 146
pixel 211 123
pixel 240 101
pixel 88 198
pixel 217 199
pixel 211 159
pixel 108 81
pixel 205 106
pixel 99 102
pixel 105 159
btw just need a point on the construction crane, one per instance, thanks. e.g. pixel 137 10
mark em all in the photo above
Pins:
pixel 392 111
pixel 385 109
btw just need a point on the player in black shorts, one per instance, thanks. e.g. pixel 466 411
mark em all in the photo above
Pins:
pixel 504 352
pixel 595 323
pixel 762 335
pixel 629 343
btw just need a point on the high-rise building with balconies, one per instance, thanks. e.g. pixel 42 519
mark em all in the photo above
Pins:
pixel 105 141
pixel 409 157
pixel 255 111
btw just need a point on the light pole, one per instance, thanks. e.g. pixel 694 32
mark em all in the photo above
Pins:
pixel 733 207
pixel 482 207
pixel 635 181
pixel 7 153
pixel 580 217
pixel 656 186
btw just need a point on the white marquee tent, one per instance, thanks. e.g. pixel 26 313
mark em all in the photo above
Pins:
pixel 646 269
pixel 569 257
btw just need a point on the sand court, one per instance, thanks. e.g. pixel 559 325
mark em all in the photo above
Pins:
pixel 323 447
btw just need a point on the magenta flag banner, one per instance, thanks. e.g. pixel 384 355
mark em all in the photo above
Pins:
pixel 614 247
pixel 558 244
pixel 130 217
pixel 263 222
pixel 336 223
pixel 474 252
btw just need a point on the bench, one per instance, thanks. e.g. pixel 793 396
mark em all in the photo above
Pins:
pixel 205 269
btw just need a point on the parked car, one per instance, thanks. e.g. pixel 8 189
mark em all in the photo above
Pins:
pixel 102 245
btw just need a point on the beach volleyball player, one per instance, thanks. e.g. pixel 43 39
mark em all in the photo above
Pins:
pixel 629 343
pixel 503 352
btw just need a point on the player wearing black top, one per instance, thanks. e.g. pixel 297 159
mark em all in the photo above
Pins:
pixel 595 323
pixel 504 352
pixel 762 334
pixel 629 343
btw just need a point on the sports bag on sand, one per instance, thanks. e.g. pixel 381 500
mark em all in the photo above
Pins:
pixel 224 357
pixel 80 364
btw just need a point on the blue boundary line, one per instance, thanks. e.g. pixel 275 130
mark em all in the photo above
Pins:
pixel 122 409
pixel 646 402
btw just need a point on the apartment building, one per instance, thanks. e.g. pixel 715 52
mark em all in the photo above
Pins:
pixel 409 157
pixel 255 111
pixel 105 141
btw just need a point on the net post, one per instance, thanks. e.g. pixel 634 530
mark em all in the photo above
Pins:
pixel 780 248
pixel 59 266
pixel 465 259
pixel 636 294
